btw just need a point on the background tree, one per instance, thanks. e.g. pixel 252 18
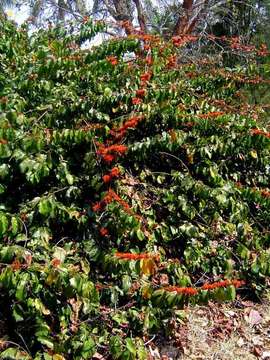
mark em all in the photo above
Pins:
pixel 165 17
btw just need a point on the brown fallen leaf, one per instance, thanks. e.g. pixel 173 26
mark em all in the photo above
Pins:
pixel 257 351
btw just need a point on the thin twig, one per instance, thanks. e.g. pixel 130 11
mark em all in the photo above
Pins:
pixel 177 158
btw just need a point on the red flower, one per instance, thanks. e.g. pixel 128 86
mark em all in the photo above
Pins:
pixel 108 158
pixel 256 132
pixel 96 207
pixel 55 262
pixel 106 178
pixel 177 41
pixel 106 152
pixel 146 77
pixel 103 232
pixel 112 59
pixel 146 37
pixel 136 101
pixel 140 92
pixel 121 149
pixel 146 47
pixel 115 172
pixel 149 60
pixel 16 265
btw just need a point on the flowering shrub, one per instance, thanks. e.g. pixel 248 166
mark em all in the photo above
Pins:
pixel 131 182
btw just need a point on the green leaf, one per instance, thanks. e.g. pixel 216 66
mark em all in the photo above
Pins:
pixel 22 287
pixel 140 234
pixel 131 346
pixel 3 224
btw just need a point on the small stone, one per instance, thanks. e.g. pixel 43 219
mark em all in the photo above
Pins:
pixel 254 317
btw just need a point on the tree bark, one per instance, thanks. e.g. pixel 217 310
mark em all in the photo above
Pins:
pixel 183 19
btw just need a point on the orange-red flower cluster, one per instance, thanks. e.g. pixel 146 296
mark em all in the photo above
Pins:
pixel 109 153
pixel 131 256
pixel 146 37
pixel 263 51
pixel 260 132
pixel 108 198
pixel 112 59
pixel 130 124
pixel 224 283
pixel 3 141
pixel 246 48
pixel 172 62
pixel 236 45
pixel 145 77
pixel 114 173
pixel 212 114
pixel 112 196
pixel 17 265
pixel 149 60
pixel 265 193
pixel 182 290
pixel 193 291
pixel 183 39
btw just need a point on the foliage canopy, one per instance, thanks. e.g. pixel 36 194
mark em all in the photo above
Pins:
pixel 131 184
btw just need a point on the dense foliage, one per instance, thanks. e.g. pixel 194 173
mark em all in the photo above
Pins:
pixel 131 184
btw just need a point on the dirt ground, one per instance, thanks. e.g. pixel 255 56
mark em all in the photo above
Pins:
pixel 238 331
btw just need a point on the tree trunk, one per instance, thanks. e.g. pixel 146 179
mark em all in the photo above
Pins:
pixel 141 16
pixel 183 20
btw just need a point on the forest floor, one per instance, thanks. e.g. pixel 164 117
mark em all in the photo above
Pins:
pixel 238 331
